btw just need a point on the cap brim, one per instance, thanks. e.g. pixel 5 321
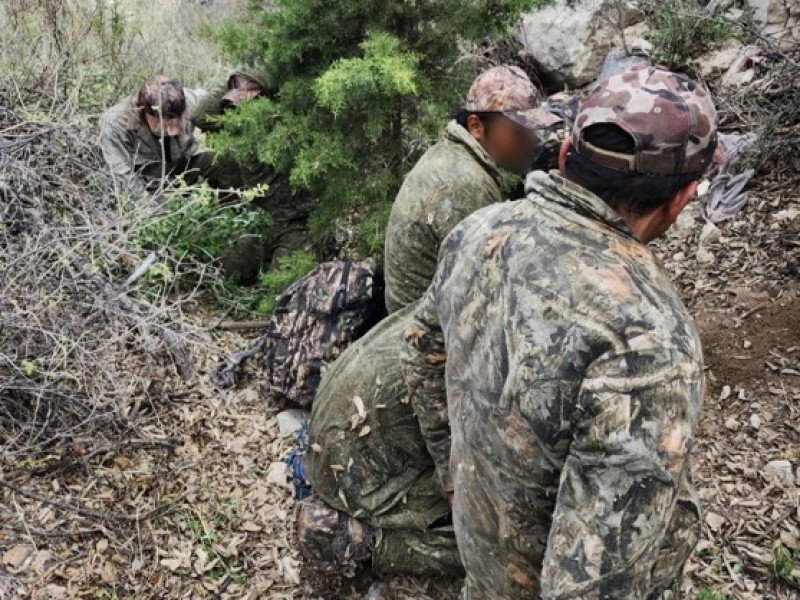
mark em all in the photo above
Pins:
pixel 534 118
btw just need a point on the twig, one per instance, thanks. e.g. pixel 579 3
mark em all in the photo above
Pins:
pixel 85 512
pixel 241 325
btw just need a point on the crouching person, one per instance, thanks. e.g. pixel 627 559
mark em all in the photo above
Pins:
pixel 377 496
pixel 149 139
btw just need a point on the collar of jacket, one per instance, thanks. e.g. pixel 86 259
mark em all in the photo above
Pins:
pixel 457 134
pixel 555 188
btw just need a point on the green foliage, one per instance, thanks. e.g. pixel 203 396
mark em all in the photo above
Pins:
pixel 275 281
pixel 191 230
pixel 784 562
pixel 359 90
pixel 708 594
pixel 683 30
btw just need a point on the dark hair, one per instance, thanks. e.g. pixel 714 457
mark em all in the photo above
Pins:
pixel 633 193
pixel 485 117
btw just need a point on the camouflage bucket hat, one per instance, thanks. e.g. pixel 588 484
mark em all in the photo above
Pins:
pixel 508 90
pixel 671 119
pixel 163 97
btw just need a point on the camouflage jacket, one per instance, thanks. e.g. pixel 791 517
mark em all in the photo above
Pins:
pixel 573 385
pixel 134 153
pixel 453 179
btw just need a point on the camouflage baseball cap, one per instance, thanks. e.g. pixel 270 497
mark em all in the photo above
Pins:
pixel 671 119
pixel 163 97
pixel 508 90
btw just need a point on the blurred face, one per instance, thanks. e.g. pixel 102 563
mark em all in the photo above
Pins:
pixel 510 145
pixel 164 127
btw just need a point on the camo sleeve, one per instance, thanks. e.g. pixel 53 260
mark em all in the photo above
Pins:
pixel 207 108
pixel 628 460
pixel 424 361
pixel 118 152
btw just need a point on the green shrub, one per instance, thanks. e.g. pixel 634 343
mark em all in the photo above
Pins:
pixel 358 90
pixel 683 30
pixel 273 282
pixel 189 232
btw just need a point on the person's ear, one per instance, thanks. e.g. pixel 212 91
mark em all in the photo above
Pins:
pixel 681 199
pixel 562 154
pixel 475 127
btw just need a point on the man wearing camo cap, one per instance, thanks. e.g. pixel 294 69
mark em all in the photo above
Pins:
pixel 573 372
pixel 496 129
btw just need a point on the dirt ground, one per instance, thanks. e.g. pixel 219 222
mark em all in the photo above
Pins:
pixel 196 504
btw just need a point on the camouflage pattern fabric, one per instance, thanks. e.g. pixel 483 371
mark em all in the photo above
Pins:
pixel 135 155
pixel 315 319
pixel 508 89
pixel 682 137
pixel 574 383
pixel 369 459
pixel 453 179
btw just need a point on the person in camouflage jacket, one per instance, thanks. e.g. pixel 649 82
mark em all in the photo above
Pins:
pixel 497 129
pixel 557 376
pixel 377 496
pixel 289 209
pixel 147 138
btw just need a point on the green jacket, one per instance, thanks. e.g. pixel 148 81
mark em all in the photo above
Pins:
pixel 558 379
pixel 452 180
pixel 134 154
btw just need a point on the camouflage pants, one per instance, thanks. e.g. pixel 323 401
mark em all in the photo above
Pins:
pixel 370 460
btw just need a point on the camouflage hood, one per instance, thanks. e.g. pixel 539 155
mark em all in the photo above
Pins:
pixel 257 74
pixel 553 187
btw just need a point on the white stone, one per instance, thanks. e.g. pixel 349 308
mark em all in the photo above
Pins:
pixel 720 60
pixel 569 41
pixel 780 470
pixel 290 421
pixel 709 234
pixel 704 256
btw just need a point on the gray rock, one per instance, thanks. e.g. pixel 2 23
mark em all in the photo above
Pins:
pixel 618 61
pixel 290 421
pixel 780 470
pixel 568 41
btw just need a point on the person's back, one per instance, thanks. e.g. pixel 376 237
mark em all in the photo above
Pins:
pixel 573 372
pixel 453 179
pixel 459 175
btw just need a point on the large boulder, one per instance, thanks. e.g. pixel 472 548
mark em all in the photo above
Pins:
pixel 779 19
pixel 569 40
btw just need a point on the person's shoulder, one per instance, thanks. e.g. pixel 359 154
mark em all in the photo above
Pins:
pixel 122 115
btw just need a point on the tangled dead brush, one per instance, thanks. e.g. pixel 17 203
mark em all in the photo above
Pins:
pixel 79 358
pixel 770 107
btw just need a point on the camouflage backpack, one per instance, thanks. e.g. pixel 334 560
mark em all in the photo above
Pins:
pixel 314 321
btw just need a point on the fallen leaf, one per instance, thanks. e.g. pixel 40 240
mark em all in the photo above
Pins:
pixel 15 556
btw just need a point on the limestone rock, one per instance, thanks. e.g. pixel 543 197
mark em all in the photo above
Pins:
pixel 568 41
pixel 290 421
pixel 780 470
pixel 779 19
pixel 719 61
